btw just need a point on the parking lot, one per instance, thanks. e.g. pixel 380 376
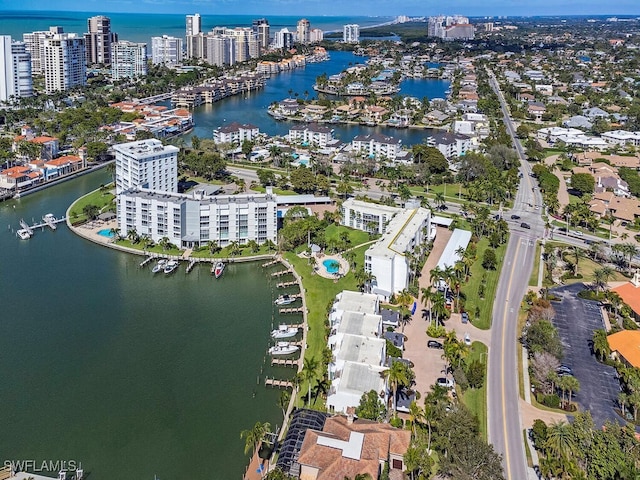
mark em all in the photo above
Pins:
pixel 576 319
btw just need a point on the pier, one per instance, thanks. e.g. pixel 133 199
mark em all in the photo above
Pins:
pixel 47 221
pixel 145 262
pixel 192 264
pixel 292 310
pixel 284 363
pixel 270 263
pixel 287 284
pixel 280 273
pixel 274 382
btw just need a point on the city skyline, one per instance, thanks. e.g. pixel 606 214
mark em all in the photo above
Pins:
pixel 321 7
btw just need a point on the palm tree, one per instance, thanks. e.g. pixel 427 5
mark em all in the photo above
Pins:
pixel 601 344
pixel 439 200
pixel 427 297
pixel 416 415
pixel 404 299
pixel 255 436
pixel 234 248
pixel 573 386
pixel 253 246
pixel 213 247
pixel 397 376
pixel 283 401
pixel 623 401
pixel 115 233
pixel 309 368
pixel 439 306
pixel 560 443
pixel 562 384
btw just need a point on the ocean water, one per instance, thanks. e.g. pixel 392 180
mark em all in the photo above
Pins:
pixel 138 27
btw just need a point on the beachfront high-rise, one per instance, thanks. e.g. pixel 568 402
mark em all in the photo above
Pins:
pixel 15 70
pixel 166 50
pixel 283 39
pixel 98 40
pixel 261 28
pixel 34 42
pixel 194 24
pixel 351 33
pixel 304 31
pixel 128 60
pixel 147 164
pixel 64 62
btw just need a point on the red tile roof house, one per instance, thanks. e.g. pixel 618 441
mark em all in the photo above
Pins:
pixel 48 145
pixel 346 448
pixel 19 177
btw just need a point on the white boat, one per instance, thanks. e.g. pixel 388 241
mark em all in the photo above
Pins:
pixel 49 217
pixel 159 267
pixel 284 331
pixel 283 348
pixel 171 266
pixel 284 300
pixel 218 269
pixel 23 234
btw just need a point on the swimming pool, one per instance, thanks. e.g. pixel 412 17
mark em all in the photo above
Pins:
pixel 106 232
pixel 331 266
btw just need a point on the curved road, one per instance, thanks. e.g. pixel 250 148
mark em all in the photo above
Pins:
pixel 505 429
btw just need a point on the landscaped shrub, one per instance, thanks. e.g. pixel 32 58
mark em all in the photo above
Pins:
pixel 552 401
pixel 396 422
pixel 436 331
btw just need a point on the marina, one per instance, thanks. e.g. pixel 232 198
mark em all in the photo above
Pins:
pixel 26 231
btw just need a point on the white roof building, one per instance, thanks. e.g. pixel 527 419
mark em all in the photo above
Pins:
pixel 622 137
pixel 367 216
pixel 148 164
pixel 355 379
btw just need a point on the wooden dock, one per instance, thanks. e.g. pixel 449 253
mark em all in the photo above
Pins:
pixel 281 362
pixel 145 262
pixel 287 284
pixel 274 382
pixel 272 262
pixel 292 310
pixel 192 264
pixel 280 273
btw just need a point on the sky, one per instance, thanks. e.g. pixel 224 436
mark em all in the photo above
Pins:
pixel 338 8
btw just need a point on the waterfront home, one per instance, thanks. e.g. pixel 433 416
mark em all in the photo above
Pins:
pixel 48 146
pixel 622 137
pixel 235 133
pixel 20 177
pixel 451 145
pixel 347 447
pixel 62 166
pixel 366 216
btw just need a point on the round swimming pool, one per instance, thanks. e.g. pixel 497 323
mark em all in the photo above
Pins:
pixel 331 266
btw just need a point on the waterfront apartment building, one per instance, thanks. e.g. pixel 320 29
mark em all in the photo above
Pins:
pixel 220 50
pixel 311 135
pixel 166 50
pixel 65 64
pixel 15 70
pixel 261 28
pixel 235 133
pixel 195 219
pixel 387 259
pixel 378 146
pixel 303 31
pixel 453 27
pixel 98 40
pixel 283 39
pixel 351 33
pixel 316 35
pixel 128 60
pixel 194 24
pixel 34 42
pixel 147 164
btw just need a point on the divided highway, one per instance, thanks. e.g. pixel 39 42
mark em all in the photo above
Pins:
pixel 505 429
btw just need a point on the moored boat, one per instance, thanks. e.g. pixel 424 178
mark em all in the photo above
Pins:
pixel 159 267
pixel 23 234
pixel 218 269
pixel 284 300
pixel 171 266
pixel 284 331
pixel 283 348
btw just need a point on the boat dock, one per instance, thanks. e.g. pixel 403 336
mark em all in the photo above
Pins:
pixel 292 310
pixel 280 273
pixel 192 264
pixel 274 382
pixel 47 221
pixel 145 262
pixel 272 262
pixel 281 362
pixel 287 284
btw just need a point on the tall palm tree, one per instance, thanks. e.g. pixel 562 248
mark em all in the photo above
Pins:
pixel 439 306
pixel 623 401
pixel 416 415
pixel 560 442
pixel 573 386
pixel 427 298
pixel 397 376
pixel 601 344
pixel 255 436
pixel 310 365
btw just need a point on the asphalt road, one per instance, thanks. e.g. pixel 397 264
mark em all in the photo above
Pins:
pixel 505 429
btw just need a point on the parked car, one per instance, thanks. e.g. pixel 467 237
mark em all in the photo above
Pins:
pixel 515 217
pixel 465 317
pixel 525 225
pixel 467 339
pixel 434 344
pixel 564 370
pixel 445 382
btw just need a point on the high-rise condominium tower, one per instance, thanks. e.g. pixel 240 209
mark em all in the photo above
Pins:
pixel 98 40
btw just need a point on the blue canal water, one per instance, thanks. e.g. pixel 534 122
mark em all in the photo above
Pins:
pixel 252 107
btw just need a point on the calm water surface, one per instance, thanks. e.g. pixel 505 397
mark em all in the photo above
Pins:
pixel 133 375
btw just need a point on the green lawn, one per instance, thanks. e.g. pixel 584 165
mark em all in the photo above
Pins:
pixel 533 280
pixel 101 198
pixel 319 294
pixel 356 237
pixel 470 289
pixel 476 399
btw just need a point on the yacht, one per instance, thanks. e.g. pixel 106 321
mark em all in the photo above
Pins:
pixel 283 348
pixel 159 267
pixel 171 266
pixel 218 269
pixel 24 234
pixel 284 331
pixel 284 300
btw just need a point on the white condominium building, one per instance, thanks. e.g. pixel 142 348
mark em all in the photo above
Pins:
pixel 387 259
pixel 35 46
pixel 194 24
pixel 64 62
pixel 235 133
pixel 367 216
pixel 351 33
pixel 128 60
pixel 283 39
pixel 15 70
pixel 312 134
pixel 99 39
pixel 166 50
pixel 146 164
pixel 377 145
pixel 193 220
pixel 304 31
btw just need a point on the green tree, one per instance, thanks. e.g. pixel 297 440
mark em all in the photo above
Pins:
pixel 310 366
pixel 303 180
pixel 583 183
pixel 397 376
pixel 601 346
pixel 489 259
pixel 255 436
pixel 91 211
pixel 370 407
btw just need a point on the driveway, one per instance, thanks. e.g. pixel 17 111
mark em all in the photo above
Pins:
pixel 576 319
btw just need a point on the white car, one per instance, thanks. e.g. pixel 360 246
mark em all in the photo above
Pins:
pixel 445 382
pixel 467 339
